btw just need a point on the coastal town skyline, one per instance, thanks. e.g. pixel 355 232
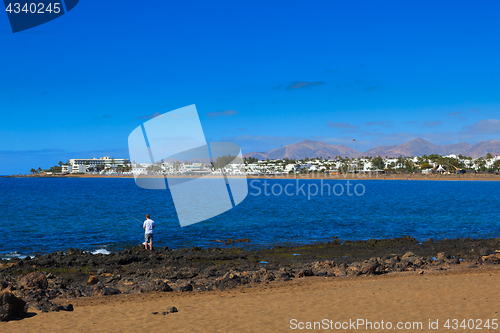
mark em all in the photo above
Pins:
pixel 417 149
pixel 417 157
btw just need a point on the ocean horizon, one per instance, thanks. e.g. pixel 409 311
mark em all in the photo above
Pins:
pixel 43 215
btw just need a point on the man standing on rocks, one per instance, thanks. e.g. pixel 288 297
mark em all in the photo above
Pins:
pixel 148 226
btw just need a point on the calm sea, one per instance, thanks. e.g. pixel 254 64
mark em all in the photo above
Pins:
pixel 42 215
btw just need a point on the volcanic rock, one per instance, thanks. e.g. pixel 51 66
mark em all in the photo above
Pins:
pixel 92 280
pixel 172 309
pixel 494 257
pixel 11 307
pixel 35 280
pixel 67 307
pixel 408 255
pixel 305 272
pixel 486 251
pixel 101 290
pixel 443 256
pixel 184 287
pixel 158 285
pixel 369 267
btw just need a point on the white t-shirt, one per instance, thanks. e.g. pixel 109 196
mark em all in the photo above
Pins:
pixel 149 226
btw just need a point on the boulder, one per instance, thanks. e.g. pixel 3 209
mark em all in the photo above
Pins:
pixel 230 280
pixel 244 240
pixel 35 280
pixel 284 274
pixel 323 268
pixel 339 272
pixel 486 251
pixel 67 307
pixel 305 272
pixel 158 285
pixel 11 306
pixel 170 310
pixel 101 290
pixel 494 257
pixel 418 262
pixel 184 287
pixel 438 262
pixel 443 256
pixel 113 278
pixel 369 267
pixel 353 270
pixel 44 305
pixel 4 285
pixel 408 255
pixel 401 266
pixel 92 280
pixel 262 275
pixel 454 261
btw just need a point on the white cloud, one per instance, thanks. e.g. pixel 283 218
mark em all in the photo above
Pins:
pixel 485 126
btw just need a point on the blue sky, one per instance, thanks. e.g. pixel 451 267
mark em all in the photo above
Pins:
pixel 262 74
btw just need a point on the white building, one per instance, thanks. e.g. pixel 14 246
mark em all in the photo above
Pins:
pixel 139 170
pixel 106 160
pixel 66 169
pixel 195 168
pixel 81 165
pixel 79 168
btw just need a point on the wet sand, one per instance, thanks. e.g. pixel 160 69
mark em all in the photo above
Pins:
pixel 459 293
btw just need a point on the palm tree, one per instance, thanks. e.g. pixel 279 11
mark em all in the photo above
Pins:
pixel 33 171
pixel 60 163
pixel 39 170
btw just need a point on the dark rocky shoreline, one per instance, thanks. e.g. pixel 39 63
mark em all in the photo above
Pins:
pixel 38 281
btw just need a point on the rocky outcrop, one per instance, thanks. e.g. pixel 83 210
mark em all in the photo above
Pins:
pixel 75 273
pixel 11 307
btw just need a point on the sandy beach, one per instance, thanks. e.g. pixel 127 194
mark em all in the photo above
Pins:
pixel 408 298
pixel 373 176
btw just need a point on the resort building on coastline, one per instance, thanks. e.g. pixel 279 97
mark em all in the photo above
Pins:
pixel 82 165
pixel 78 168
pixel 106 160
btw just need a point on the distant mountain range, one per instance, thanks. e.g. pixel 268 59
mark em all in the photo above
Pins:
pixel 416 147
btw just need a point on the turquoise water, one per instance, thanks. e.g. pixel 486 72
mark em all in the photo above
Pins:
pixel 42 215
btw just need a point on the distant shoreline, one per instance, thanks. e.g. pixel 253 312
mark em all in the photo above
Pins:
pixel 454 177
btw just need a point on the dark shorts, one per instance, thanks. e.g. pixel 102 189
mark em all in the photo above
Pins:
pixel 148 238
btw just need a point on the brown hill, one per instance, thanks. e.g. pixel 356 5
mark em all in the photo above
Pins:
pixel 307 148
pixel 379 150
pixel 416 147
pixel 459 148
pixel 482 148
